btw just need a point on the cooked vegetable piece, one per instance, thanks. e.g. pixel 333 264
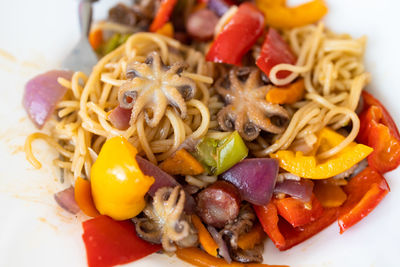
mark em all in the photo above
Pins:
pixel 248 240
pixel 206 240
pixel 110 242
pixel 218 204
pixel 379 131
pixel 66 200
pixel 279 16
pixel 311 167
pixel 83 197
pixel 289 94
pixel 201 24
pixel 166 30
pixel 329 194
pixel 301 190
pixel 223 249
pixel 163 14
pixel 162 179
pixel 268 217
pixel 275 51
pixel 182 163
pixel 42 94
pixel 96 38
pixel 285 235
pixel 220 155
pixel 219 6
pixel 120 117
pixel 243 30
pixel 365 191
pixel 199 258
pixel 230 151
pixel 294 236
pixel 296 213
pixel 118 184
pixel 254 178
pixel 116 40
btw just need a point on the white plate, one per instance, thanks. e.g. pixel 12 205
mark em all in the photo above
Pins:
pixel 36 35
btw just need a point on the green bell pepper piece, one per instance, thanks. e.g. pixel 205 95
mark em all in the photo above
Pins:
pixel 218 156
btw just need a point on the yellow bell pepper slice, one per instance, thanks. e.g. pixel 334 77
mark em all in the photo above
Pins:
pixel 118 184
pixel 313 168
pixel 281 16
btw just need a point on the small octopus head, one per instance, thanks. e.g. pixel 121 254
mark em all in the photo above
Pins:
pixel 152 86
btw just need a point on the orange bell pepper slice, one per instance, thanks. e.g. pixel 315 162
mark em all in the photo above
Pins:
pixel 199 258
pixel 96 38
pixel 329 195
pixel 163 14
pixel 295 212
pixel 83 197
pixel 166 30
pixel 286 95
pixel 280 16
pixel 182 163
pixel 365 191
pixel 206 240
pixel 248 240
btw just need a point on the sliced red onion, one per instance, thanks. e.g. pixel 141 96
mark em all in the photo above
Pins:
pixel 66 200
pixel 255 179
pixel 222 246
pixel 301 190
pixel 163 179
pixel 42 93
pixel 219 6
pixel 120 117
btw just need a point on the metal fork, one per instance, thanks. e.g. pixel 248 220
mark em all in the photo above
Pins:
pixel 82 57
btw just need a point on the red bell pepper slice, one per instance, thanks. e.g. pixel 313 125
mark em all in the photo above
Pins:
pixel 238 36
pixel 378 130
pixel 283 234
pixel 387 120
pixel 295 213
pixel 364 192
pixel 110 242
pixel 163 14
pixel 295 236
pixel 275 51
pixel 268 217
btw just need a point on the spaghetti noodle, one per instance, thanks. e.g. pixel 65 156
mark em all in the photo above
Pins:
pixel 84 123
pixel 333 71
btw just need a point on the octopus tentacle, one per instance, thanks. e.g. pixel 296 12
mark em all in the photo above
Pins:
pixel 246 128
pixel 273 109
pixel 176 99
pixel 226 119
pixel 140 103
pixel 158 112
pixel 263 122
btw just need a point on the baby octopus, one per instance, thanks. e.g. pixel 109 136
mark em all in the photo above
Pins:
pixel 247 110
pixel 152 86
pixel 165 221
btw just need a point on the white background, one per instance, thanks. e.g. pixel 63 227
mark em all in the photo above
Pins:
pixel 37 34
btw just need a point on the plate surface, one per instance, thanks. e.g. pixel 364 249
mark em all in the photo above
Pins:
pixel 34 231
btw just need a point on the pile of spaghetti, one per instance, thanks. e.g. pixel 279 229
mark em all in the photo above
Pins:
pixel 203 122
